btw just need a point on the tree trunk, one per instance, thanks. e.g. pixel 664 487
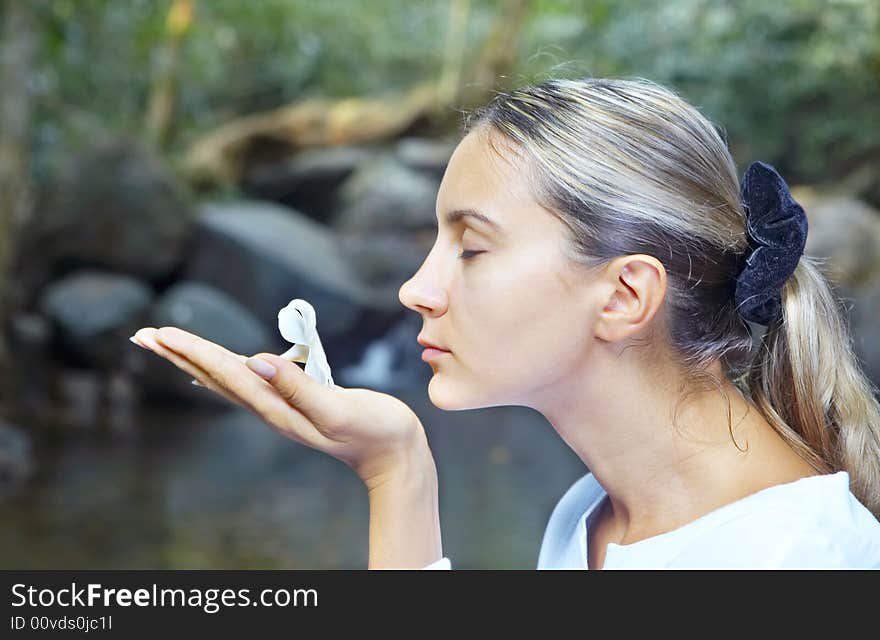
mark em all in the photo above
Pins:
pixel 17 47
pixel 498 53
pixel 222 155
pixel 449 85
pixel 163 92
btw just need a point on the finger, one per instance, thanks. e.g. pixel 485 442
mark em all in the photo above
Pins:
pixel 146 337
pixel 151 332
pixel 219 364
pixel 254 392
pixel 203 377
pixel 319 403
pixel 200 377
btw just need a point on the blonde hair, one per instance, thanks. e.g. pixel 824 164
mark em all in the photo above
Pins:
pixel 630 167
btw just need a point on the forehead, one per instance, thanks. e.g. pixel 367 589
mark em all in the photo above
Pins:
pixel 488 176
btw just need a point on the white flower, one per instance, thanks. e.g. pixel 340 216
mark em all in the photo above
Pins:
pixel 297 323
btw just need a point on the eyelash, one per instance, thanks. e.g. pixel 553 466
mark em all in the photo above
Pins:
pixel 468 257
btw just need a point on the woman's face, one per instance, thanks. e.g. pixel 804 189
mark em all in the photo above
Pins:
pixel 512 310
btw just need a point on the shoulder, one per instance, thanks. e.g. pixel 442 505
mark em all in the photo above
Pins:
pixel 834 531
pixel 843 535
pixel 826 549
pixel 777 544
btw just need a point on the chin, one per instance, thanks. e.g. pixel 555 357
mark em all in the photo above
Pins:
pixel 453 397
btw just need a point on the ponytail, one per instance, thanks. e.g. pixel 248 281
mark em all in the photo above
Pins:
pixel 806 380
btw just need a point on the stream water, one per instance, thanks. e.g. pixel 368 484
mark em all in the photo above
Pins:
pixel 198 489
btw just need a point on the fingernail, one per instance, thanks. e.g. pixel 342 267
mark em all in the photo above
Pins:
pixel 145 343
pixel 261 367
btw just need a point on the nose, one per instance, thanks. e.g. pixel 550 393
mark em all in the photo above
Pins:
pixel 423 292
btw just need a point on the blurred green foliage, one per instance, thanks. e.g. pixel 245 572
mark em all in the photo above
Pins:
pixel 795 83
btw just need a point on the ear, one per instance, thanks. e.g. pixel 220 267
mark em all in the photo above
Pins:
pixel 637 286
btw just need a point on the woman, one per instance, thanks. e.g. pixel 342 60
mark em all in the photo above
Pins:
pixel 597 261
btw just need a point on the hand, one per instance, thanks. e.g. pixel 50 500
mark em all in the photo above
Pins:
pixel 373 433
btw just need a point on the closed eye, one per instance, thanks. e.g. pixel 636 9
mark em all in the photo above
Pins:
pixel 467 255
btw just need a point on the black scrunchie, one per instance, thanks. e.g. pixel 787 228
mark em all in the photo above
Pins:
pixel 777 231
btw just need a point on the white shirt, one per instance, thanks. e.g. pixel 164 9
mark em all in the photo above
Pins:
pixel 811 523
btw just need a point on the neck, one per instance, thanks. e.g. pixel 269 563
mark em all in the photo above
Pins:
pixel 663 469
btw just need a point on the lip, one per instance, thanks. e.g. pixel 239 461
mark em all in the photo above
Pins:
pixel 431 354
pixel 430 345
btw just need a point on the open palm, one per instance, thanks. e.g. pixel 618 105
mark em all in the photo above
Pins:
pixel 368 430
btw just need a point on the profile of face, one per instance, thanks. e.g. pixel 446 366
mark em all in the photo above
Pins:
pixel 514 312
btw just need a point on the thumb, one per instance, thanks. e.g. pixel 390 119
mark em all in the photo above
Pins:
pixel 292 383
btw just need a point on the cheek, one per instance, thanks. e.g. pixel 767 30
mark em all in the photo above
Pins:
pixel 521 316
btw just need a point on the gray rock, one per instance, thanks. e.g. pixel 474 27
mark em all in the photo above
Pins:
pixel 263 255
pixel 92 310
pixel 30 374
pixel 386 195
pixel 426 154
pixel 16 458
pixel 80 399
pixel 384 259
pixel 210 314
pixel 308 181
pixel 863 183
pixel 862 304
pixel 847 231
pixel 119 207
pixel 30 331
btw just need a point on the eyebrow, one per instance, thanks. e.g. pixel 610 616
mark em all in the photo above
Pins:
pixel 457 215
